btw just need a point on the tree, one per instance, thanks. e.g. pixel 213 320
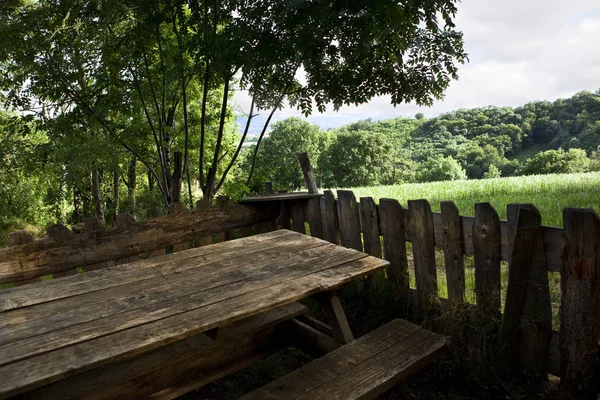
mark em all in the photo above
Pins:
pixel 359 159
pixel 115 61
pixel 278 158
pixel 441 169
pixel 556 162
pixel 492 172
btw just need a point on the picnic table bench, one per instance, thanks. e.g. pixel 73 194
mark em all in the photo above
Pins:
pixel 163 326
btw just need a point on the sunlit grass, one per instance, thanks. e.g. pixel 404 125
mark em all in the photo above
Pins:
pixel 549 193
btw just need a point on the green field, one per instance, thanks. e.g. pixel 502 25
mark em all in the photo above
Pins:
pixel 549 193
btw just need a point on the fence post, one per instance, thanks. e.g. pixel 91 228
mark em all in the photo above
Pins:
pixel 423 245
pixel 393 231
pixel 329 215
pixel 527 322
pixel 349 221
pixel 94 224
pixel 486 252
pixel 298 217
pixel 309 176
pixel 580 324
pixel 453 253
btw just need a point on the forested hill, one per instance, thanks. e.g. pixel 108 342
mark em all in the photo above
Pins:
pixel 540 137
pixel 504 137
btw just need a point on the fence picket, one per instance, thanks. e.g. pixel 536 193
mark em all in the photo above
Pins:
pixel 453 252
pixel 347 210
pixel 527 322
pixel 580 322
pixel 298 217
pixel 60 232
pixel 329 216
pixel 421 222
pixel 486 251
pixel 394 243
pixel 369 226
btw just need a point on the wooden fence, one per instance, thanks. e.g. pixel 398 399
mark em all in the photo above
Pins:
pixel 527 340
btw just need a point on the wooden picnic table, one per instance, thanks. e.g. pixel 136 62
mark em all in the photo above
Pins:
pixel 54 330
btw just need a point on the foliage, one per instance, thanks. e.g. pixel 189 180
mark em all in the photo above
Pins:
pixel 556 162
pixel 358 158
pixel 441 169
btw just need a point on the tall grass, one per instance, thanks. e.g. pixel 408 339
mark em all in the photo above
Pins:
pixel 549 193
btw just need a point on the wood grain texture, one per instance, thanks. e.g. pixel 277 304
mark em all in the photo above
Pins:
pixel 370 226
pixel 312 214
pixel 177 363
pixel 43 359
pixel 421 222
pixel 16 239
pixel 297 213
pixel 453 252
pixel 349 220
pixel 336 318
pixel 486 252
pixel 45 256
pixel 15 298
pixel 329 217
pixel 363 369
pixel 392 217
pixel 527 321
pixel 580 322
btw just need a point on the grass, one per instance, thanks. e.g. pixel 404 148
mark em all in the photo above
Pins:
pixel 549 193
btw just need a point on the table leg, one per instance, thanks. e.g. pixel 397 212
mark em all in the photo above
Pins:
pixel 336 317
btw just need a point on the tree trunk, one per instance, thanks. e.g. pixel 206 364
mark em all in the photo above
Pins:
pixel 97 197
pixel 76 205
pixel 115 210
pixel 132 183
pixel 150 182
pixel 177 178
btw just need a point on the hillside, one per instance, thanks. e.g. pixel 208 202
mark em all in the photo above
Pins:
pixel 541 137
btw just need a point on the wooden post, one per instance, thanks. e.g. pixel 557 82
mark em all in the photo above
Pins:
pixel 423 244
pixel 268 187
pixel 329 216
pixel 527 322
pixel 486 251
pixel 394 244
pixel 298 217
pixel 349 221
pixel 580 322
pixel 284 216
pixel 452 238
pixel 94 224
pixel 179 208
pixel 312 214
pixel 222 202
pixel 121 221
pixel 59 232
pixel 309 176
pixel 18 238
pixel 201 205
pixel 154 212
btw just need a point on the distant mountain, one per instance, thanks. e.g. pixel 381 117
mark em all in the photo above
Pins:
pixel 324 121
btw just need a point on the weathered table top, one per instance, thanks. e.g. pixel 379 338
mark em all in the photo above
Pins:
pixel 58 328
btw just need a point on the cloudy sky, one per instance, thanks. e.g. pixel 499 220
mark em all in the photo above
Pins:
pixel 519 51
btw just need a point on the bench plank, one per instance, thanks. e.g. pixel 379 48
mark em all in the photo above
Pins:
pixel 362 369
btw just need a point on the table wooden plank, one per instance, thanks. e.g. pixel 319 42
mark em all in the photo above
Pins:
pixel 244 281
pixel 164 274
pixel 49 367
pixel 113 276
pixel 52 316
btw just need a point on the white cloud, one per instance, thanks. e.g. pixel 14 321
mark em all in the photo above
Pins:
pixel 519 50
